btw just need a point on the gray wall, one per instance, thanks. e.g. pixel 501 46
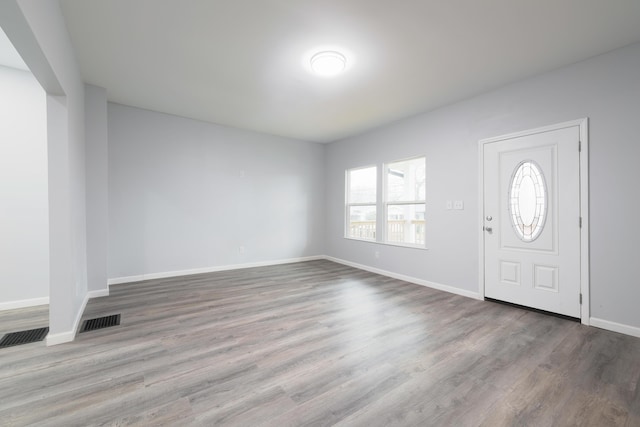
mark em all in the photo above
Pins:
pixel 185 194
pixel 24 211
pixel 605 88
pixel 38 31
pixel 97 187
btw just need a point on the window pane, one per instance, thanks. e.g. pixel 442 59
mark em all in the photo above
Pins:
pixel 405 224
pixel 406 180
pixel 362 222
pixel 362 185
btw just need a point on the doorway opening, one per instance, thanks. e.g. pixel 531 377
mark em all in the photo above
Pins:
pixel 24 196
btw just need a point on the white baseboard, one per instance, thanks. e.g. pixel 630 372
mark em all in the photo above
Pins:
pixel 68 336
pixel 593 321
pixel 438 286
pixel 178 273
pixel 33 302
pixel 98 293
pixel 615 327
pixel 63 337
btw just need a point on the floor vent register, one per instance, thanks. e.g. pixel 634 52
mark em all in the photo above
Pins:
pixel 23 337
pixel 100 323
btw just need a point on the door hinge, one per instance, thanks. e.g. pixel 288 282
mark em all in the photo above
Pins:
pixel 580 299
pixel 579 146
pixel 580 222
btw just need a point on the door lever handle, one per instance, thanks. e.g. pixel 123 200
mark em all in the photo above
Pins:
pixel 489 229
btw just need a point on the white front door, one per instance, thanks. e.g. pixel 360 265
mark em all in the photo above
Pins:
pixel 532 220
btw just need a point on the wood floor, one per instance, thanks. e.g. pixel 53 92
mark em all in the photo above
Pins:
pixel 23 319
pixel 318 343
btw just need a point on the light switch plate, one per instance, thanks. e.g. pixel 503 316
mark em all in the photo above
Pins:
pixel 449 205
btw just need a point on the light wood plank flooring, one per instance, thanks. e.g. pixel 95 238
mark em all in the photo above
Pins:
pixel 318 343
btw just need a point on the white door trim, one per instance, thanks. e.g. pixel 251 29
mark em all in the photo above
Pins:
pixel 583 124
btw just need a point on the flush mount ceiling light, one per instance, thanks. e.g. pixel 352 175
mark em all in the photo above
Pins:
pixel 328 63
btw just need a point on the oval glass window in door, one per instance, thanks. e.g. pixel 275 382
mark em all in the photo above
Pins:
pixel 528 200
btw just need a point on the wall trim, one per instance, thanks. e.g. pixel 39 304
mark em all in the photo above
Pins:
pixel 98 293
pixel 178 273
pixel 33 302
pixel 68 336
pixel 634 331
pixel 63 337
pixel 414 280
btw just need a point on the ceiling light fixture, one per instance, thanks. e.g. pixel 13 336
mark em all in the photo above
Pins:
pixel 328 63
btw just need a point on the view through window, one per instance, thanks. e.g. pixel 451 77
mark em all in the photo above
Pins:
pixel 405 201
pixel 402 206
pixel 362 203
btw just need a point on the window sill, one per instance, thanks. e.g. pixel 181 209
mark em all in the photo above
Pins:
pixel 399 245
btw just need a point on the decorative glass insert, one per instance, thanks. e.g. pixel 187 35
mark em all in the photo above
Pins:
pixel 528 201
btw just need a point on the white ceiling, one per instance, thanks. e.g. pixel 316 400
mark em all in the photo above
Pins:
pixel 242 63
pixel 9 57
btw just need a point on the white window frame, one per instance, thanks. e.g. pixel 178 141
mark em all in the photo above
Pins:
pixel 386 203
pixel 349 205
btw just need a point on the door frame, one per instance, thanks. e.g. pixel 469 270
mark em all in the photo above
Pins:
pixel 583 125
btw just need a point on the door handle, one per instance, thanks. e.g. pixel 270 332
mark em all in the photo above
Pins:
pixel 489 229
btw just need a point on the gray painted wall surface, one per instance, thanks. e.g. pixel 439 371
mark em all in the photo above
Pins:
pixel 606 89
pixel 39 32
pixel 97 187
pixel 185 194
pixel 24 199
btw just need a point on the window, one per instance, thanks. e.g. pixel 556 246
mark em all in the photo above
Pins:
pixel 401 207
pixel 404 202
pixel 362 203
